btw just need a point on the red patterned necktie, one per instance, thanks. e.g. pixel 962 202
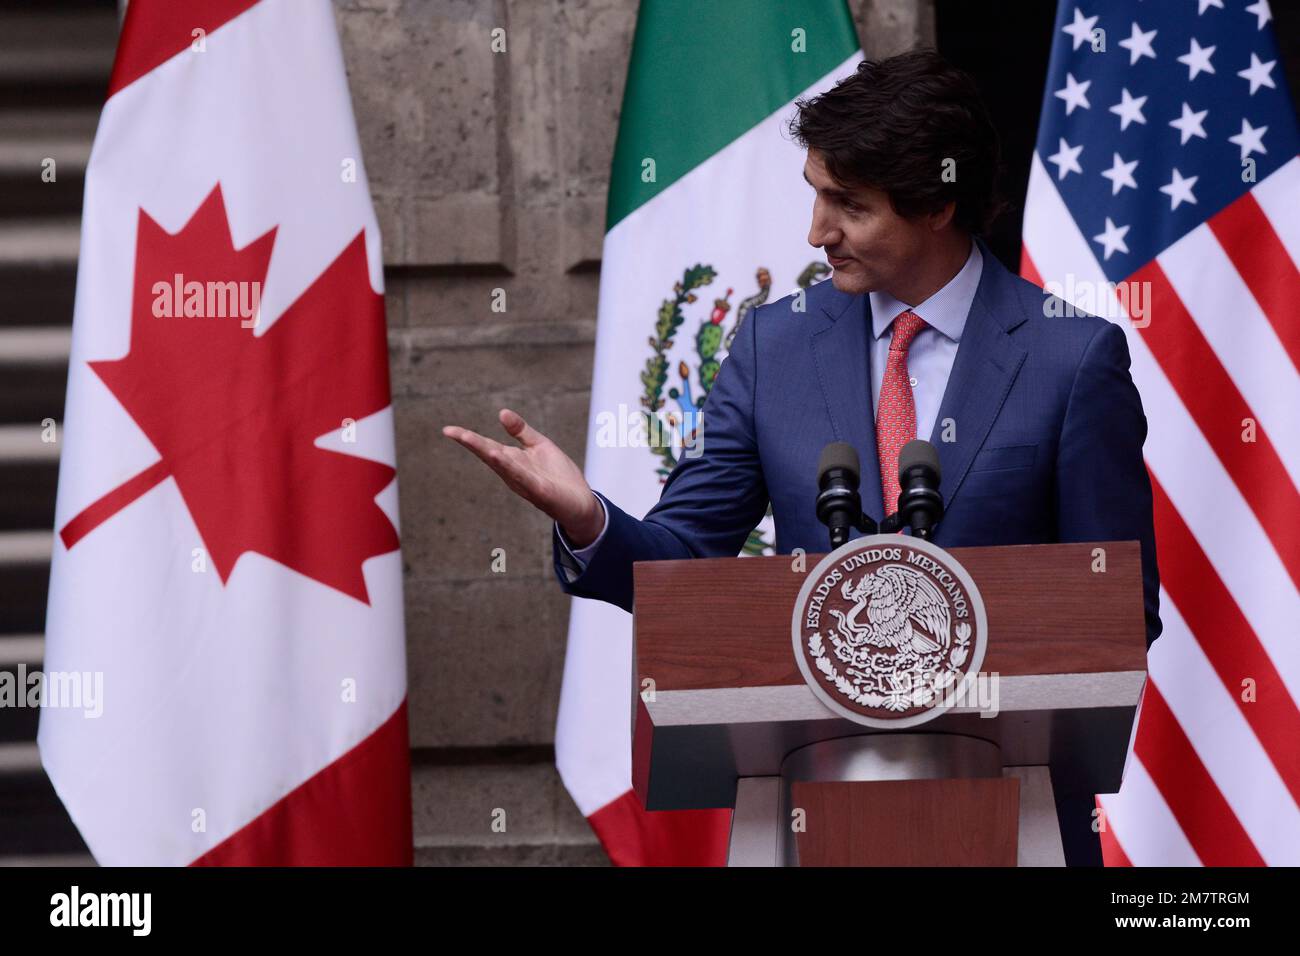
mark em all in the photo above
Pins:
pixel 896 412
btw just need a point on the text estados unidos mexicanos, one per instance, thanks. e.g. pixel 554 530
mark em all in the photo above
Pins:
pixel 870 556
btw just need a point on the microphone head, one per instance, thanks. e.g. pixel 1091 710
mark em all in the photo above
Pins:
pixel 917 453
pixel 842 456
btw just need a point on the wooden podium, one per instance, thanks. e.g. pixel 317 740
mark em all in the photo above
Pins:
pixel 723 717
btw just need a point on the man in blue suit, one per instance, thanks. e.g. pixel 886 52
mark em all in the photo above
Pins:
pixel 920 331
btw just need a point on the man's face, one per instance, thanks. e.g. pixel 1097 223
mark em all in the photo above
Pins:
pixel 868 245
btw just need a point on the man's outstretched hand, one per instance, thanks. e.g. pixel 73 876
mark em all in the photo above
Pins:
pixel 540 473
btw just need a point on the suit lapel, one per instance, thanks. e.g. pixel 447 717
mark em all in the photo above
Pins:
pixel 987 363
pixel 841 349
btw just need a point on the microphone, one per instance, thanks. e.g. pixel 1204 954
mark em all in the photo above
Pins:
pixel 920 506
pixel 839 506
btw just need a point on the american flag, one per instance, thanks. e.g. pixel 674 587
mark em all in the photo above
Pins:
pixel 1165 194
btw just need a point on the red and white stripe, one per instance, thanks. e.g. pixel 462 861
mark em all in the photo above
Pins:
pixel 1213 777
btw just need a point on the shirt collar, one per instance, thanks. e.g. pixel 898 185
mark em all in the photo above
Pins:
pixel 946 310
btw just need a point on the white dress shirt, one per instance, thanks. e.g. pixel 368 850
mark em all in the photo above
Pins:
pixel 934 349
pixel 929 363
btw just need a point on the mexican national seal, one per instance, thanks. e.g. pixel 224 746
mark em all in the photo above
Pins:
pixel 888 629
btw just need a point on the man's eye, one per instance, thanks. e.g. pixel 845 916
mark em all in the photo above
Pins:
pixel 850 206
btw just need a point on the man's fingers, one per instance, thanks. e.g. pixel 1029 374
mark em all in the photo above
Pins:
pixel 500 458
pixel 513 423
pixel 511 464
pixel 484 448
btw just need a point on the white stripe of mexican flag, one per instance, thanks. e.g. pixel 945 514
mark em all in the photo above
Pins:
pixel 705 175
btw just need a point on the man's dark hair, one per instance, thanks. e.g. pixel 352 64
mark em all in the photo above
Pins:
pixel 893 123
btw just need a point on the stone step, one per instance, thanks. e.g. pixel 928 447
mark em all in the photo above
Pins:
pixel 42 171
pixel 48 243
pixel 18 725
pixel 38 270
pixel 20 654
pixel 33 375
pixel 24 548
pixel 19 758
pixel 35 345
pixel 22 444
pixel 49 859
pixel 73 125
pixel 53 56
pixel 37 295
pixel 18 649
pixel 33 822
pixel 29 470
pixel 29 155
pixel 24 580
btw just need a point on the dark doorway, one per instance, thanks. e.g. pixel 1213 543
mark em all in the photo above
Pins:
pixel 1005 46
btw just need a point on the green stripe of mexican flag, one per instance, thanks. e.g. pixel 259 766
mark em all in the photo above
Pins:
pixel 703 73
pixel 707 219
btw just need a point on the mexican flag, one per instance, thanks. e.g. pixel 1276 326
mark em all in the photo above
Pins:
pixel 226 573
pixel 707 219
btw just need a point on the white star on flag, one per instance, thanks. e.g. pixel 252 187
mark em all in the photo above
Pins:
pixel 1260 9
pixel 1129 109
pixel 1206 4
pixel 1074 93
pixel 1189 124
pixel 1258 74
pixel 1066 159
pixel 1120 174
pixel 1112 239
pixel 1081 29
pixel 1250 139
pixel 1179 190
pixel 1197 59
pixel 1139 44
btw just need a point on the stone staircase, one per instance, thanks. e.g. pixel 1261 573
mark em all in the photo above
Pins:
pixel 55 57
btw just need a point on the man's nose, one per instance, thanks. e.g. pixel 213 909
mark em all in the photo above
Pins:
pixel 823 231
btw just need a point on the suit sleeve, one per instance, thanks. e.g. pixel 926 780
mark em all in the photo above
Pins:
pixel 713 498
pixel 572 561
pixel 1103 489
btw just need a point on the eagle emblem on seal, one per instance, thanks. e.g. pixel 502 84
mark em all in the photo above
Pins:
pixel 903 611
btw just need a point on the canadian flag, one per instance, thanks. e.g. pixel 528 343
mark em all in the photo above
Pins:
pixel 226 562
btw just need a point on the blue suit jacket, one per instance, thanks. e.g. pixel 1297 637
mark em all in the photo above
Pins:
pixel 1048 437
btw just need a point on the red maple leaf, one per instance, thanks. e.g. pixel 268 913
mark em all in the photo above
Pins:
pixel 234 416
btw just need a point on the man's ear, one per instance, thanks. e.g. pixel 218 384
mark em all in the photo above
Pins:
pixel 939 220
